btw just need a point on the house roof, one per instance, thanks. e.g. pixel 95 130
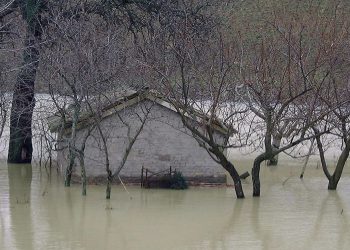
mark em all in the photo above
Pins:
pixel 111 103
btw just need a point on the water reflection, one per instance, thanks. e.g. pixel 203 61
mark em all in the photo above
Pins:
pixel 20 179
pixel 36 213
pixel 335 223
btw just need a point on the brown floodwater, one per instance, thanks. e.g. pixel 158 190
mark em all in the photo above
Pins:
pixel 38 212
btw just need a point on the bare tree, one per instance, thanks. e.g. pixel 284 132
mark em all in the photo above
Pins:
pixel 193 67
pixel 83 76
pixel 336 98
pixel 97 108
pixel 282 75
pixel 77 61
pixel 39 15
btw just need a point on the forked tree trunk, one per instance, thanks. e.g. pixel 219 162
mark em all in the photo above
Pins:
pixel 275 145
pixel 332 183
pixel 334 179
pixel 23 102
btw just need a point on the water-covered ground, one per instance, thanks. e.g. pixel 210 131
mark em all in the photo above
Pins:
pixel 37 212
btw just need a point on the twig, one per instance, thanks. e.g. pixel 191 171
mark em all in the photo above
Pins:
pixel 124 186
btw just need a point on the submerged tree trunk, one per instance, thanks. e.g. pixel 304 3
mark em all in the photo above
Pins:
pixel 107 165
pixel 230 168
pixel 109 183
pixel 83 173
pixel 108 169
pixel 236 180
pixel 72 146
pixel 69 169
pixel 23 102
pixel 256 173
pixel 332 183
pixel 334 179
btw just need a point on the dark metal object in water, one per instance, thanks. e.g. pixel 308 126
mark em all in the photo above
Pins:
pixel 171 179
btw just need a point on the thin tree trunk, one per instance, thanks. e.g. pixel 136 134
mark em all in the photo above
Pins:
pixel 23 102
pixel 72 149
pixel 83 173
pixel 69 169
pixel 3 111
pixel 81 156
pixel 107 164
pixel 109 182
pixel 322 157
pixel 131 141
pixel 307 159
pixel 108 169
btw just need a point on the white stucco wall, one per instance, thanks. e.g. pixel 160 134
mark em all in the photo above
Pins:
pixel 163 142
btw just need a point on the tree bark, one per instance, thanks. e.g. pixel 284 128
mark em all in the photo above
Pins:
pixel 23 102
pixel 230 168
pixel 83 174
pixel 72 146
pixel 236 180
pixel 69 169
pixel 107 165
pixel 256 173
pixel 332 183
pixel 275 145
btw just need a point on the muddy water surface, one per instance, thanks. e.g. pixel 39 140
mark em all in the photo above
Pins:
pixel 37 212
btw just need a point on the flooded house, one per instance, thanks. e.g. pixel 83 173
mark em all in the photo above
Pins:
pixel 163 141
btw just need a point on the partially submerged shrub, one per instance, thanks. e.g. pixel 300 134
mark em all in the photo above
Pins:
pixel 177 181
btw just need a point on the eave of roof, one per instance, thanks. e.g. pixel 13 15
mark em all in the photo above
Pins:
pixel 124 102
